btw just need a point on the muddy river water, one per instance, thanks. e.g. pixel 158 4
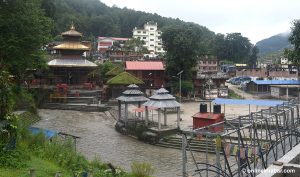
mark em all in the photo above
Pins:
pixel 99 138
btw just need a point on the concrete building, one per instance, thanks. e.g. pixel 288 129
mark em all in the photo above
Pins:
pixel 151 37
pixel 105 43
pixel 208 65
pixel 252 72
pixel 283 73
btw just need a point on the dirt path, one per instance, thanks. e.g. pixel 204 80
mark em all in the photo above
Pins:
pixel 240 92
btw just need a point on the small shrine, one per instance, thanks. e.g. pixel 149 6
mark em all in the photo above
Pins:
pixel 130 96
pixel 162 100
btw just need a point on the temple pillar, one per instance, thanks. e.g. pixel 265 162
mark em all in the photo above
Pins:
pixel 158 112
pixel 119 110
pixel 178 117
pixel 146 116
pixel 126 113
pixel 165 116
pixel 139 106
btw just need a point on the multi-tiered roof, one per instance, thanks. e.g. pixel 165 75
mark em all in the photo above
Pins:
pixel 71 51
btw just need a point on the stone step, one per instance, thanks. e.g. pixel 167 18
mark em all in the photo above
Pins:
pixel 77 107
pixel 86 100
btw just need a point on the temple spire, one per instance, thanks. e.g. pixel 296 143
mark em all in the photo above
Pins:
pixel 72 26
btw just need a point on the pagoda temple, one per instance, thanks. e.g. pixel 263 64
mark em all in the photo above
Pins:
pixel 70 66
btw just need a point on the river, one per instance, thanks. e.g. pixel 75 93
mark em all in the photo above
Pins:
pixel 99 138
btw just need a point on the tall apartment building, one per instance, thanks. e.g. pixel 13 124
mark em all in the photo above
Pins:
pixel 151 37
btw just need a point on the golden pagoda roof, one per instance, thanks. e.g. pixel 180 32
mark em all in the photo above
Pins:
pixel 71 46
pixel 71 32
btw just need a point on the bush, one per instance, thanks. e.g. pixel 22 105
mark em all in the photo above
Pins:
pixel 14 158
pixel 141 169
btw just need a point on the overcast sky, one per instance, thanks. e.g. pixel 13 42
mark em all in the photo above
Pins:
pixel 255 19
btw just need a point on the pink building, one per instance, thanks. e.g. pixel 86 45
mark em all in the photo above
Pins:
pixel 104 43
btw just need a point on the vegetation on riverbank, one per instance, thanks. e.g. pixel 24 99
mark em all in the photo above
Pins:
pixel 233 95
pixel 58 155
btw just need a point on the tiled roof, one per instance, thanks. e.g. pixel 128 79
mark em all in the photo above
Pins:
pixel 144 65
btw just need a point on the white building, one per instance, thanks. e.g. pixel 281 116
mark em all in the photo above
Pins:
pixel 151 36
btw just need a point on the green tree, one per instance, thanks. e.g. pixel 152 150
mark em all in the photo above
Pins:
pixel 294 53
pixel 253 56
pixel 182 44
pixel 24 30
pixel 136 45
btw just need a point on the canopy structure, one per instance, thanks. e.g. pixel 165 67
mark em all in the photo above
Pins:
pixel 131 95
pixel 162 99
pixel 248 102
pixel 276 82
pixel 225 101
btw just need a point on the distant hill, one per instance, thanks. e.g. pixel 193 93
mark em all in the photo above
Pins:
pixel 274 44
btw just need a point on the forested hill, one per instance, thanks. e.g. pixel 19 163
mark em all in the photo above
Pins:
pixel 93 17
pixel 274 44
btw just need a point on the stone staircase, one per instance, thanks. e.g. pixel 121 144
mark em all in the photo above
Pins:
pixel 195 145
pixel 78 100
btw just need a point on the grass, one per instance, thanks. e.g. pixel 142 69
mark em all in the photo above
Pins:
pixel 43 168
pixel 58 155
pixel 233 95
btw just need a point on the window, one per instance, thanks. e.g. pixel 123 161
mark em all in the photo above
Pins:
pixel 158 48
pixel 209 62
pixel 159 43
pixel 144 37
pixel 215 62
pixel 151 34
pixel 144 32
pixel 159 32
pixel 138 31
pixel 151 39
pixel 152 45
pixel 151 28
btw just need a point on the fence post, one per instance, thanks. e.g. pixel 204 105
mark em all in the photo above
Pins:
pixel 32 172
pixel 58 174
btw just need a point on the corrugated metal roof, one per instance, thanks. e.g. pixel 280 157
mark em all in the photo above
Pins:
pixel 133 92
pixel 71 63
pixel 132 98
pixel 161 99
pixel 162 103
pixel 276 82
pixel 114 38
pixel 132 86
pixel 161 91
pixel 144 65
pixel 247 102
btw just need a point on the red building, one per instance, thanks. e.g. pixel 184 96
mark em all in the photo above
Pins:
pixel 151 72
